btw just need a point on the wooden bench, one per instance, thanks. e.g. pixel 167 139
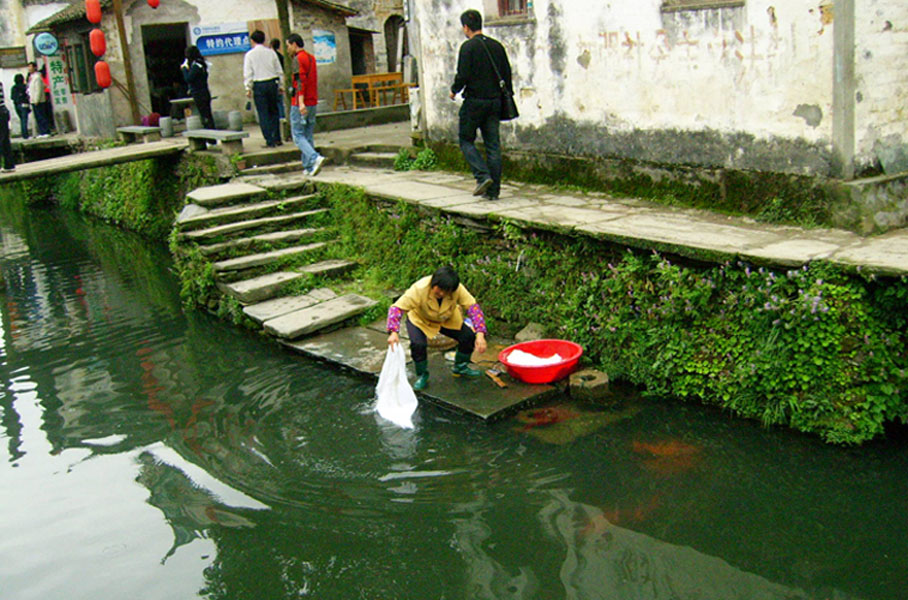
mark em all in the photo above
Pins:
pixel 231 141
pixel 131 133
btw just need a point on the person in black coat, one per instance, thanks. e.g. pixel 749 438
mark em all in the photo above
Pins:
pixel 19 96
pixel 195 74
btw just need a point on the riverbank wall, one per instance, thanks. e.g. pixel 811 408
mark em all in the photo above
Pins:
pixel 818 348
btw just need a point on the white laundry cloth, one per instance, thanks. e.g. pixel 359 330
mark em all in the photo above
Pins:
pixel 396 399
pixel 525 359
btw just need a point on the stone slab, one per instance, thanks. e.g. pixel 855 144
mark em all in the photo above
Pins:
pixel 680 231
pixel 414 191
pixel 358 348
pixel 236 226
pixel 278 307
pixel 309 320
pixel 257 289
pixel 480 396
pixel 274 237
pixel 264 258
pixel 363 349
pixel 333 266
pixel 564 217
pixel 484 208
pixel 885 254
pixel 226 193
pixel 243 211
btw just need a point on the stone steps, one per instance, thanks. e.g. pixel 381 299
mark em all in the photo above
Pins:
pixel 274 238
pixel 274 169
pixel 227 193
pixel 262 259
pixel 200 217
pixel 381 160
pixel 264 224
pixel 308 320
pixel 278 307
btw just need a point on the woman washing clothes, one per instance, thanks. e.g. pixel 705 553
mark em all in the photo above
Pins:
pixel 436 304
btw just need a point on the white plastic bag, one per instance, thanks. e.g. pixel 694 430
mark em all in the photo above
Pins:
pixel 396 399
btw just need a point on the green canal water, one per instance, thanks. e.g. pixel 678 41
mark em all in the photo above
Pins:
pixel 150 453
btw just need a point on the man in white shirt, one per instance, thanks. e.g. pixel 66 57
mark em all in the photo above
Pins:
pixel 262 75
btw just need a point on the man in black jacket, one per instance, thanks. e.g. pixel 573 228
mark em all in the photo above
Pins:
pixel 481 109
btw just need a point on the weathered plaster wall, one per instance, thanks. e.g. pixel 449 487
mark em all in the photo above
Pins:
pixel 372 16
pixel 330 76
pixel 881 111
pixel 747 87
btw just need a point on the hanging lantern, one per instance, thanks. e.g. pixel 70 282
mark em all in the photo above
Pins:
pixel 98 42
pixel 154 3
pixel 93 11
pixel 102 74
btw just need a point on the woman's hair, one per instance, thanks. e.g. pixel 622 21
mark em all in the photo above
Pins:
pixel 193 53
pixel 19 78
pixel 445 278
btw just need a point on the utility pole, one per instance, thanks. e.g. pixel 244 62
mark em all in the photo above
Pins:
pixel 127 63
pixel 283 17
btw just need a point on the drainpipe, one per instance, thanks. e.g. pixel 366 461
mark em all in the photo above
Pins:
pixel 843 88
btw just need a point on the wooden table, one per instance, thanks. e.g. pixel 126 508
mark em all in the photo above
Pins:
pixel 373 89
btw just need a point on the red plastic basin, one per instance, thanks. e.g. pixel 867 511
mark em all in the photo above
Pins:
pixel 569 351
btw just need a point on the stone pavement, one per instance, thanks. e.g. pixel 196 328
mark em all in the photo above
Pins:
pixel 634 223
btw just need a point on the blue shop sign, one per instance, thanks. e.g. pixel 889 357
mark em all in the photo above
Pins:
pixel 228 38
pixel 46 43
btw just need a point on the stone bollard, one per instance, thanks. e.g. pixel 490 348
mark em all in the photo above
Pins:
pixel 193 122
pixel 166 124
pixel 235 120
pixel 220 119
pixel 590 385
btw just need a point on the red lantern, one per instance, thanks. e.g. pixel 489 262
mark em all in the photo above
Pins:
pixel 93 11
pixel 97 42
pixel 102 74
pixel 154 3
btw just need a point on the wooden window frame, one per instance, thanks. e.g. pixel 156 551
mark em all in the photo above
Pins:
pixel 681 5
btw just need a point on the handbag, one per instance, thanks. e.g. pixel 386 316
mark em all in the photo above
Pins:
pixel 508 110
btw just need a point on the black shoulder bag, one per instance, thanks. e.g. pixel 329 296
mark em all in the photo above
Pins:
pixel 508 109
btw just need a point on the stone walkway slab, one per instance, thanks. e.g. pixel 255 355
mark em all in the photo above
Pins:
pixel 260 288
pixel 309 320
pixel 226 193
pixel 264 258
pixel 634 222
pixel 200 217
pixel 238 226
pixel 278 307
pixel 363 350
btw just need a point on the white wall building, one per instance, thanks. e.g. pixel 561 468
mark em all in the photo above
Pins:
pixel 812 87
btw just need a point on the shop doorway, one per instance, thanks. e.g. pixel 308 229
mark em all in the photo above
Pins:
pixel 165 49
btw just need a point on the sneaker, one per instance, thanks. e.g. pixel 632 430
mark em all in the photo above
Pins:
pixel 489 197
pixel 482 187
pixel 317 166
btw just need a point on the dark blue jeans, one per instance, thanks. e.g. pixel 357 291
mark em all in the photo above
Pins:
pixel 419 343
pixel 266 96
pixel 40 112
pixel 22 110
pixel 482 114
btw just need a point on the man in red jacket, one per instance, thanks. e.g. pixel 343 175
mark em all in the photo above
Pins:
pixel 304 103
